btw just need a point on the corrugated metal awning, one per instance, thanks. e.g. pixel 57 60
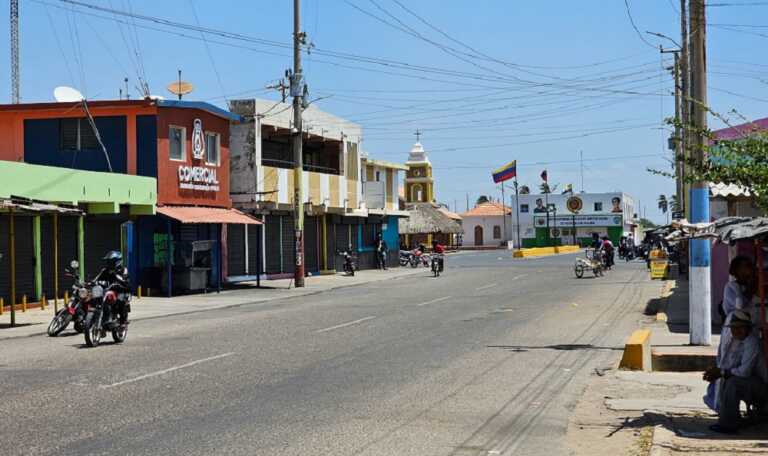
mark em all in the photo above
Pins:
pixel 192 214
pixel 32 206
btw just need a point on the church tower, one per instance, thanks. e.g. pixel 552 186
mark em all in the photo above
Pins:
pixel 419 184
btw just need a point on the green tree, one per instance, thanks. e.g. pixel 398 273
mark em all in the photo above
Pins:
pixel 674 204
pixel 545 188
pixel 525 190
pixel 663 204
pixel 482 199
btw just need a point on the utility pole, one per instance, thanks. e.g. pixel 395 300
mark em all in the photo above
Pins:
pixel 685 100
pixel 503 214
pixel 517 214
pixel 581 167
pixel 297 92
pixel 15 95
pixel 700 254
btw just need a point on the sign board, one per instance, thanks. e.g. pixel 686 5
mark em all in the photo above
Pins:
pixel 198 140
pixel 578 220
pixel 198 178
pixel 678 215
pixel 375 195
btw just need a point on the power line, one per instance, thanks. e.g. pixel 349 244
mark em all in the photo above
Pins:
pixel 632 21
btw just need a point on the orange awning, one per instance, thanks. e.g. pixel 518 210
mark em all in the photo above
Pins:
pixel 190 214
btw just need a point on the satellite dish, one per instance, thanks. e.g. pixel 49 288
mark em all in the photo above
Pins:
pixel 64 94
pixel 180 88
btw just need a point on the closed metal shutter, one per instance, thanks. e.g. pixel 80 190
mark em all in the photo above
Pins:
pixel 254 249
pixel 25 259
pixel 289 256
pixel 330 243
pixel 342 244
pixel 101 236
pixel 236 249
pixel 48 256
pixel 5 260
pixel 67 250
pixel 311 248
pixel 273 249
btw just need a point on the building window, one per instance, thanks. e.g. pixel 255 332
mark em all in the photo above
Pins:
pixel 77 134
pixel 378 176
pixel 496 232
pixel 212 143
pixel 177 143
pixel 599 207
pixel 524 208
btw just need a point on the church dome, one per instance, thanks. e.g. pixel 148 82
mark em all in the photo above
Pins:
pixel 418 154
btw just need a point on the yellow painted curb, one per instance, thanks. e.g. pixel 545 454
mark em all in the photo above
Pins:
pixel 637 351
pixel 545 251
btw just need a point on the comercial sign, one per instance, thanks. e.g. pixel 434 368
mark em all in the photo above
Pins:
pixel 579 221
pixel 198 140
pixel 198 178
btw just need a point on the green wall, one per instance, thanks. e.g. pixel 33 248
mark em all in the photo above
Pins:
pixel 102 192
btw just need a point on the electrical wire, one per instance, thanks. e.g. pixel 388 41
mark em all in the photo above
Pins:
pixel 632 21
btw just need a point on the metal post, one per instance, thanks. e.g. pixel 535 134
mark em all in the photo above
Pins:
pixel 297 90
pixel 517 215
pixel 15 78
pixel 37 247
pixel 258 256
pixel 699 284
pixel 573 220
pixel 546 207
pixel 503 214
pixel 56 262
pixel 81 245
pixel 685 97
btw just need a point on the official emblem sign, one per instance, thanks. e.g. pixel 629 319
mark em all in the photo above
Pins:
pixel 574 204
pixel 198 141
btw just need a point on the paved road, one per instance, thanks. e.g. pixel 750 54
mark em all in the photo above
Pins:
pixel 487 359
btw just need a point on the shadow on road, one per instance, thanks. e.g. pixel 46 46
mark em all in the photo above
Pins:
pixel 566 347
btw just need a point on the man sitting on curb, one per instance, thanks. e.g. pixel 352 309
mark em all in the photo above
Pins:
pixel 740 376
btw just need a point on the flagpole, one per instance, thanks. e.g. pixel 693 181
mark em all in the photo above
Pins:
pixel 517 214
pixel 503 213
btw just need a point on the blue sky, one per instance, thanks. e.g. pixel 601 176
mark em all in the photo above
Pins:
pixel 498 79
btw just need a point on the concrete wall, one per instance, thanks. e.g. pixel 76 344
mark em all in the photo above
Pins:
pixel 487 224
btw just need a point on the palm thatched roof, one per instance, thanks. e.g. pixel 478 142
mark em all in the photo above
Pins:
pixel 427 218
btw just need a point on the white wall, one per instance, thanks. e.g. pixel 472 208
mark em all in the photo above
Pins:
pixel 488 222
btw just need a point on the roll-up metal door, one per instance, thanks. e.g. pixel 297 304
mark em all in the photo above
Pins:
pixel 48 255
pixel 273 248
pixel 330 241
pixel 5 260
pixel 311 247
pixel 342 244
pixel 67 250
pixel 236 249
pixel 254 249
pixel 25 259
pixel 289 256
pixel 101 236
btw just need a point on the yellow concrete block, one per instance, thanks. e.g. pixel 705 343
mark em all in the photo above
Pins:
pixel 545 251
pixel 637 351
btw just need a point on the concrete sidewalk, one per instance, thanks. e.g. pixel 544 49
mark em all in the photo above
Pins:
pixel 34 322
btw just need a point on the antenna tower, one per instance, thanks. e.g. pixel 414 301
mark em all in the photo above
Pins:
pixel 15 98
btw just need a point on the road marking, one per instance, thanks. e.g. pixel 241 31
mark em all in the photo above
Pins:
pixel 519 277
pixel 165 371
pixel 434 301
pixel 490 285
pixel 344 325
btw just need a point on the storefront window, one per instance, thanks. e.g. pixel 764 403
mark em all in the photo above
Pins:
pixel 496 232
pixel 176 143
pixel 524 208
pixel 212 148
pixel 598 207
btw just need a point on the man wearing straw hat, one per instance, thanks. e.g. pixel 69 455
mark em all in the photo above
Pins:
pixel 740 375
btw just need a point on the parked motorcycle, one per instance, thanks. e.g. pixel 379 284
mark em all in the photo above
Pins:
pixel 405 257
pixel 350 262
pixel 73 311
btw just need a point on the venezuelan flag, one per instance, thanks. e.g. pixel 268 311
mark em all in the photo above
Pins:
pixel 506 172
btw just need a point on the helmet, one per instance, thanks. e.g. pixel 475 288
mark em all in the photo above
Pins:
pixel 113 260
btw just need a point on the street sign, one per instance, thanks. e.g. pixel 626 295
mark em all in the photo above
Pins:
pixel 678 215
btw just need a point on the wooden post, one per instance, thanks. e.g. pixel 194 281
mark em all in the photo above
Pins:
pixel 42 302
pixel 2 305
pixel 23 303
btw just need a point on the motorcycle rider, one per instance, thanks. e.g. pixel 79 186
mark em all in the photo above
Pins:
pixel 607 248
pixel 439 250
pixel 116 277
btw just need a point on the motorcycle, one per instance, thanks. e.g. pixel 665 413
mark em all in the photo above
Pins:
pixel 103 301
pixel 405 257
pixel 107 305
pixel 73 311
pixel 437 264
pixel 350 265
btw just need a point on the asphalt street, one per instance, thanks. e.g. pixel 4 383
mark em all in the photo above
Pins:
pixel 489 358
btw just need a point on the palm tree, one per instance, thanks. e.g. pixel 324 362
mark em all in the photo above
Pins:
pixel 545 188
pixel 674 204
pixel 525 190
pixel 663 204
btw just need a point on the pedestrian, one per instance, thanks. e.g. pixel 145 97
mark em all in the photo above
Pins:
pixel 739 376
pixel 381 252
